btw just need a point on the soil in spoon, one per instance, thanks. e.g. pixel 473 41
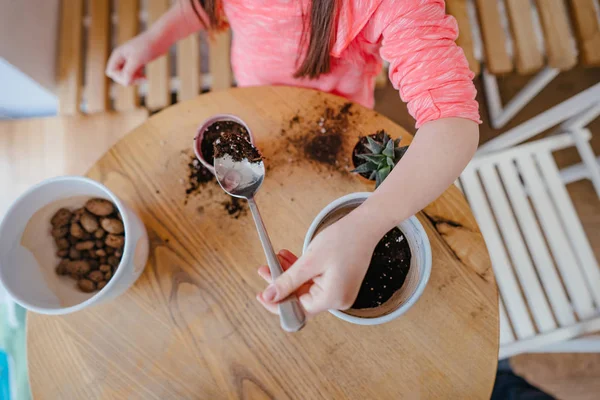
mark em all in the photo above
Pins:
pixel 237 147
pixel 387 271
pixel 214 131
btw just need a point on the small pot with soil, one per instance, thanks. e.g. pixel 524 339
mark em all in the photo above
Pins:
pixel 399 270
pixel 211 130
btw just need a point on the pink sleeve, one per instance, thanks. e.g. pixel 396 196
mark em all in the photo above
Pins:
pixel 429 70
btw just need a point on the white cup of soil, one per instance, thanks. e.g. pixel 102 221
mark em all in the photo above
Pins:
pixel 29 249
pixel 211 130
pixel 399 269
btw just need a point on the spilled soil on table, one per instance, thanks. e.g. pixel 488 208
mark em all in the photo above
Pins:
pixel 200 180
pixel 318 138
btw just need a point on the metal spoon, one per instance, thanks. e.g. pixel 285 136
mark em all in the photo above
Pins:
pixel 243 179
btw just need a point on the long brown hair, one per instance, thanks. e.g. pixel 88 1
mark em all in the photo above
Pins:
pixel 320 36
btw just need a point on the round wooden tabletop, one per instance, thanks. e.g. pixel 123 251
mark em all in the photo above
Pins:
pixel 191 327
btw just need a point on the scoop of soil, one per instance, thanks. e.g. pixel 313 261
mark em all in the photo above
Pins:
pixel 237 147
pixel 387 271
pixel 214 131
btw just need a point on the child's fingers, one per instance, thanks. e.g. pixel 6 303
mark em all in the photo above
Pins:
pixel 271 307
pixel 288 256
pixel 265 273
pixel 115 64
pixel 314 300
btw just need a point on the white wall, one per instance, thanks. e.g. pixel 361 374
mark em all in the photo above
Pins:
pixel 28 48
pixel 21 96
pixel 29 37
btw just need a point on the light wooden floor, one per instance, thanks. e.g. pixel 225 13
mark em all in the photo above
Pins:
pixel 566 376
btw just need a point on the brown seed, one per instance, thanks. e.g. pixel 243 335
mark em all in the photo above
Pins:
pixel 99 234
pixel 93 264
pixel 73 240
pixel 119 216
pixel 61 268
pixel 96 276
pixel 108 275
pixel 76 230
pixel 113 261
pixel 87 245
pixel 112 225
pixel 102 260
pixel 77 214
pixel 109 250
pixel 99 244
pixel 74 254
pixel 62 243
pixel 100 207
pixel 86 285
pixel 61 218
pixel 116 241
pixel 105 268
pixel 89 222
pixel 101 285
pixel 62 253
pixel 101 253
pixel 78 268
pixel 92 254
pixel 60 231
pixel 118 253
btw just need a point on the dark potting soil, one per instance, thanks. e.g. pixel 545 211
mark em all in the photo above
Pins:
pixel 199 177
pixel 235 207
pixel 361 148
pixel 237 147
pixel 387 271
pixel 213 132
pixel 324 143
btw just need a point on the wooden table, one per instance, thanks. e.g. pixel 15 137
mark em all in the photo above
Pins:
pixel 191 327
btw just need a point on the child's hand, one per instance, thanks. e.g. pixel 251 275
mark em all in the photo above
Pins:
pixel 126 61
pixel 327 276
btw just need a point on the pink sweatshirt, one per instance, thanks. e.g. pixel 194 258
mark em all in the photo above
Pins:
pixel 415 36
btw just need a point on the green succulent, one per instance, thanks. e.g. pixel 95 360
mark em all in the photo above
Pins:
pixel 383 157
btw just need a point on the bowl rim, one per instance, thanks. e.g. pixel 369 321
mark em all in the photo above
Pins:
pixel 102 293
pixel 427 262
pixel 208 122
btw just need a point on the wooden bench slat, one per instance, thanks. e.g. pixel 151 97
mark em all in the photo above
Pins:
pixel 587 26
pixel 458 9
pixel 219 61
pixel 494 38
pixel 98 43
pixel 188 67
pixel 557 34
pixel 127 11
pixel 69 59
pixel 528 56
pixel 157 72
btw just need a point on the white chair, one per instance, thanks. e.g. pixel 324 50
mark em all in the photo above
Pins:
pixel 548 277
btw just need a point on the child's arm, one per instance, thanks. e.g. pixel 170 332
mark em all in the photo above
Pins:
pixel 126 61
pixel 432 75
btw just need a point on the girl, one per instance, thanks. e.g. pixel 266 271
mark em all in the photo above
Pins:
pixel 337 46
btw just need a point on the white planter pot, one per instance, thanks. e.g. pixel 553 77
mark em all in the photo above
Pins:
pixel 28 256
pixel 420 264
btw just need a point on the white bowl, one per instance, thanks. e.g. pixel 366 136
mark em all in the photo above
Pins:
pixel 420 263
pixel 28 255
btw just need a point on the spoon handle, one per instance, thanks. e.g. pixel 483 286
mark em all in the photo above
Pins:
pixel 291 315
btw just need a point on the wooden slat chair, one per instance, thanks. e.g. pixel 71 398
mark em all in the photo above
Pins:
pixel 526 36
pixel 83 86
pixel 548 277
